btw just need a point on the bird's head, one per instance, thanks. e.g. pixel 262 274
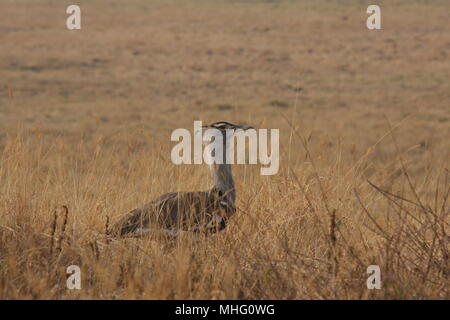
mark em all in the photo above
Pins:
pixel 226 129
pixel 223 126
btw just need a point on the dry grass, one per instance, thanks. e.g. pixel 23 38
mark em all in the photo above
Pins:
pixel 363 116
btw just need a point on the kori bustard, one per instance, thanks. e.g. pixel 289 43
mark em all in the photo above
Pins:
pixel 198 211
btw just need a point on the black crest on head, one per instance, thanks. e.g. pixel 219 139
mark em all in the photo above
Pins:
pixel 222 125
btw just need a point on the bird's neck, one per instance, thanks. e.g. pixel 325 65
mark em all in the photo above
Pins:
pixel 223 180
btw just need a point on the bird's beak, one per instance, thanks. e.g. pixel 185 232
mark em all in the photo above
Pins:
pixel 245 127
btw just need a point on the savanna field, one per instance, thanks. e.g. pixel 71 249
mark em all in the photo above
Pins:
pixel 364 117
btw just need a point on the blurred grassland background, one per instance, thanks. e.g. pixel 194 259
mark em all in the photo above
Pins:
pixel 86 117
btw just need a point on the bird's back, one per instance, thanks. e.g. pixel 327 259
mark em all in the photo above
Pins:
pixel 191 211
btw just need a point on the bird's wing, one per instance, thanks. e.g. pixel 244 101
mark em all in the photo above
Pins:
pixel 194 211
pixel 139 218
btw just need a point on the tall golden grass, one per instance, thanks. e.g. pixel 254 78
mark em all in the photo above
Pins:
pixel 309 233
